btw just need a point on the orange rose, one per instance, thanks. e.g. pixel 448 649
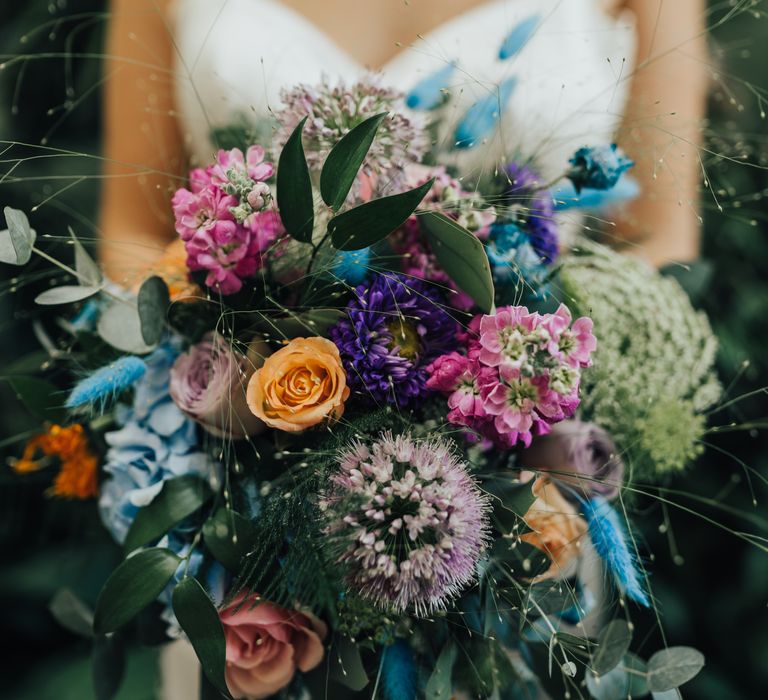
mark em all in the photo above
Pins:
pixel 557 529
pixel 299 386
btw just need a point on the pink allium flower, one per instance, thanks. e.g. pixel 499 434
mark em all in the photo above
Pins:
pixel 521 373
pixel 411 521
pixel 223 221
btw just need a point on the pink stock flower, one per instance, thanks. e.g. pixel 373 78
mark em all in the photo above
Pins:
pixel 232 162
pixel 520 375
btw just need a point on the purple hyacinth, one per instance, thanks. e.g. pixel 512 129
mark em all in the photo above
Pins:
pixel 524 189
pixel 411 521
pixel 393 329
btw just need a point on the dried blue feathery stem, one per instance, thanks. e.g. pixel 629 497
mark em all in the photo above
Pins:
pixel 106 383
pixel 398 672
pixel 609 538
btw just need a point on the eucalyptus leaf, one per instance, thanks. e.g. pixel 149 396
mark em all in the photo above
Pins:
pixel 198 617
pixel 229 537
pixel 667 695
pixel 612 643
pixel 179 498
pixel 132 586
pixel 346 666
pixel 71 612
pixel 462 255
pixel 373 221
pixel 86 267
pixel 152 303
pixel 670 668
pixel 40 397
pixel 66 294
pixel 613 685
pixel 294 188
pixel 120 326
pixel 17 240
pixel 637 675
pixel 343 162
pixel 107 666
pixel 439 685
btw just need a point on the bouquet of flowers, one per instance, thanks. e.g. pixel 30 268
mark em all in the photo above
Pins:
pixel 349 437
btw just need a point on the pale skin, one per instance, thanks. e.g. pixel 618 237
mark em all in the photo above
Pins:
pixel 146 161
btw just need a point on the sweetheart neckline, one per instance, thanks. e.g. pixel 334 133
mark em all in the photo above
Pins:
pixel 398 56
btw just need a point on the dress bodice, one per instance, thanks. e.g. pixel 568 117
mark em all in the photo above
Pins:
pixel 566 60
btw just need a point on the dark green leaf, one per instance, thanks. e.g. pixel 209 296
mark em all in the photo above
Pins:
pixel 346 666
pixel 88 271
pixel 462 255
pixel 510 498
pixel 229 537
pixel 439 686
pixel 71 613
pixel 612 643
pixel 199 619
pixel 344 160
pixel 178 498
pixel 294 189
pixel 371 222
pixel 17 240
pixel 312 322
pixel 132 586
pixel 107 666
pixel 670 668
pixel 519 558
pixel 66 294
pixel 152 302
pixel 42 398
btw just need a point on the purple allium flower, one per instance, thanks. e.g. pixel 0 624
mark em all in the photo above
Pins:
pixel 394 328
pixel 524 189
pixel 334 111
pixel 411 520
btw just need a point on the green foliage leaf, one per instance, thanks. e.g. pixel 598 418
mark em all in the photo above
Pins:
pixel 343 162
pixel 40 397
pixel 462 255
pixel 152 302
pixel 229 537
pixel 132 586
pixel 107 666
pixel 179 498
pixel 71 612
pixel 311 322
pixel 670 668
pixel 120 326
pixel 628 679
pixel 522 560
pixel 637 675
pixel 439 686
pixel 294 188
pixel 612 644
pixel 199 619
pixel 511 499
pixel 346 666
pixel 17 240
pixel 371 222
pixel 85 266
pixel 66 294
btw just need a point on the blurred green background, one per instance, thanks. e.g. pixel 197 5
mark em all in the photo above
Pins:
pixel 710 585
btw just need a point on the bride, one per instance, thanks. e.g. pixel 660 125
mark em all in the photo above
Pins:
pixel 584 72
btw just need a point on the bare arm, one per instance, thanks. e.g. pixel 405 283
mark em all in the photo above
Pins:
pixel 142 143
pixel 662 130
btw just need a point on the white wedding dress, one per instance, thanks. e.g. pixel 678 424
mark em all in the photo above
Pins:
pixel 572 77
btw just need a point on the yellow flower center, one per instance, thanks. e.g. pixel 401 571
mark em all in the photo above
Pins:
pixel 404 337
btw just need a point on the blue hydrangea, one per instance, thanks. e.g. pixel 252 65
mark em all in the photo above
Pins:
pixel 598 167
pixel 156 442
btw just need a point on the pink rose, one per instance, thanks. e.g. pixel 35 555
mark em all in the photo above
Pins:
pixel 208 383
pixel 445 372
pixel 266 645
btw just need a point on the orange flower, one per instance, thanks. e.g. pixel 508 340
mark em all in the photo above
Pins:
pixel 557 529
pixel 299 386
pixel 77 477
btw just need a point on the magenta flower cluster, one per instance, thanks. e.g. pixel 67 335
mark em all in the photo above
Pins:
pixel 225 218
pixel 412 522
pixel 519 376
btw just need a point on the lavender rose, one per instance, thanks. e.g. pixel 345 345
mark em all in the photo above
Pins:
pixel 208 383
pixel 582 449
